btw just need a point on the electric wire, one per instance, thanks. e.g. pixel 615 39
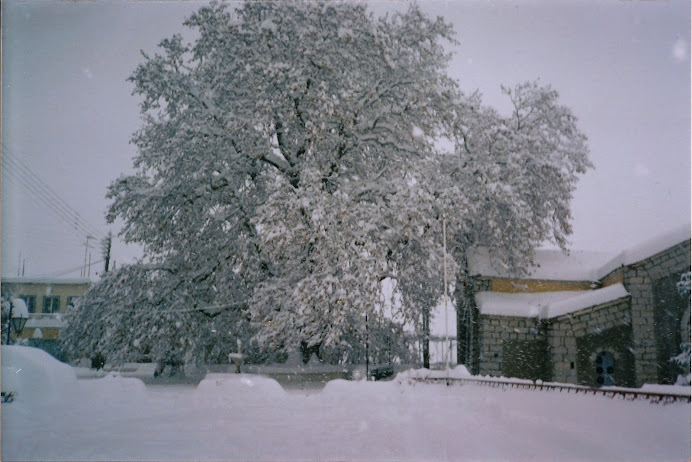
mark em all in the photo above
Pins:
pixel 45 189
pixel 69 216
pixel 74 238
pixel 53 274
pixel 66 217
pixel 47 196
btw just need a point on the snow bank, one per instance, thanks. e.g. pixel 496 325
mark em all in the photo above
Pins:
pixel 546 304
pixel 669 389
pixel 35 376
pixel 346 421
pixel 457 372
pixel 235 388
pixel 115 387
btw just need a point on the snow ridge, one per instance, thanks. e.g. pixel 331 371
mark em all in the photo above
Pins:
pixel 546 305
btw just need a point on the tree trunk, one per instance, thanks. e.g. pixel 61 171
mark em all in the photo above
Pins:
pixel 426 338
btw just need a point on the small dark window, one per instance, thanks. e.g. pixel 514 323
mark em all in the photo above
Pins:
pixel 495 355
pixel 70 300
pixel 571 365
pixel 30 301
pixel 51 304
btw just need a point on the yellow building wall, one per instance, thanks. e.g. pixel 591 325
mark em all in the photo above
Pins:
pixel 537 285
pixel 47 333
pixel 40 290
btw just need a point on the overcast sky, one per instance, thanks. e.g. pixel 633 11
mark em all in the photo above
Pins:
pixel 68 114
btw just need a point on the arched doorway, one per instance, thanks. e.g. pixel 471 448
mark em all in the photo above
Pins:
pixel 605 369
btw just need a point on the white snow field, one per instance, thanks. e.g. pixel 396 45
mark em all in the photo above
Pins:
pixel 249 417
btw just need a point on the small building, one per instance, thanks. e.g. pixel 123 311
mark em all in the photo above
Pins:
pixel 47 300
pixel 585 318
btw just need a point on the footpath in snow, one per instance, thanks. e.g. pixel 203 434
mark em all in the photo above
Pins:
pixel 250 417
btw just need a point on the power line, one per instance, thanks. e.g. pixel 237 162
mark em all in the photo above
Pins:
pixel 42 192
pixel 63 272
pixel 18 183
pixel 46 190
pixel 47 196
pixel 66 216
pixel 65 219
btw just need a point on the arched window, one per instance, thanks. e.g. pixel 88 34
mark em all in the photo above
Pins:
pixel 605 369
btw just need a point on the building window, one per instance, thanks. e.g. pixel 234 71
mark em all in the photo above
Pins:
pixel 51 304
pixel 70 300
pixel 605 369
pixel 30 301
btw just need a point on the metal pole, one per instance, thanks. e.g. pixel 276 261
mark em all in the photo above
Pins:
pixel 9 324
pixel 444 260
pixel 367 349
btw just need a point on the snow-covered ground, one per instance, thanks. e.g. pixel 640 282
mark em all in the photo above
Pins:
pixel 249 417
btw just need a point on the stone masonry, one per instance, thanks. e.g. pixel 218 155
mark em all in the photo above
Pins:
pixel 639 279
pixel 565 333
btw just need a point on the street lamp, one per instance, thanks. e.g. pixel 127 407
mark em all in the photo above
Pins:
pixel 18 315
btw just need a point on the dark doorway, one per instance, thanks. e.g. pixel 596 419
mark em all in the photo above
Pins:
pixel 605 369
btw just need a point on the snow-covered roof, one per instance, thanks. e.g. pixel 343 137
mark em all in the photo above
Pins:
pixel 577 265
pixel 551 264
pixel 546 304
pixel 647 249
pixel 38 280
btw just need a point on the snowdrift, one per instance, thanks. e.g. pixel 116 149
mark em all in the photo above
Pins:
pixel 229 389
pixel 35 376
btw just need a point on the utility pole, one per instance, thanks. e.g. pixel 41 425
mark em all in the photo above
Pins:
pixel 86 249
pixel 106 248
pixel 444 262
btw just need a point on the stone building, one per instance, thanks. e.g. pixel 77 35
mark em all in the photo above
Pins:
pixel 585 318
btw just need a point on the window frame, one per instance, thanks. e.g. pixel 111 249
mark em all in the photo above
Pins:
pixel 55 307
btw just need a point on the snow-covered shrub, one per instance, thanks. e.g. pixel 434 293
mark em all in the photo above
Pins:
pixel 682 359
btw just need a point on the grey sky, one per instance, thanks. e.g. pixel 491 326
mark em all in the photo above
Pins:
pixel 623 67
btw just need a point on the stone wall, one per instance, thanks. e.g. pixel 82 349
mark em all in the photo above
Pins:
pixel 639 280
pixel 575 340
pixel 513 347
pixel 640 332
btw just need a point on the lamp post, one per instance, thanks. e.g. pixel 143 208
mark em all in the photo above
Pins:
pixel 17 317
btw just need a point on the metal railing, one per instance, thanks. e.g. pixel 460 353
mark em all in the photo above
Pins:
pixel 624 393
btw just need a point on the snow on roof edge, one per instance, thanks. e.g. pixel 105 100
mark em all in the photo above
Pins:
pixel 646 249
pixel 587 300
pixel 546 305
pixel 580 265
pixel 48 280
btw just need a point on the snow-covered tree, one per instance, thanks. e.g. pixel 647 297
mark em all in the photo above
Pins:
pixel 519 172
pixel 289 161
pixel 144 312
